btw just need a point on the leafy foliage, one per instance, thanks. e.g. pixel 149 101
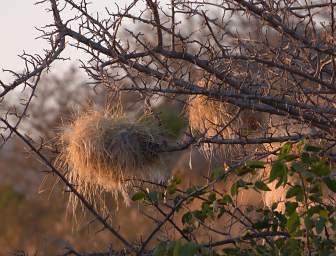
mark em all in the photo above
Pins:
pixel 305 225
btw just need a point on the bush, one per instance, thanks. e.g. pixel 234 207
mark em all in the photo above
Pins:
pixel 305 226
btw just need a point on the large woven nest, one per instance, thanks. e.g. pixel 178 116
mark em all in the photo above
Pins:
pixel 209 117
pixel 107 152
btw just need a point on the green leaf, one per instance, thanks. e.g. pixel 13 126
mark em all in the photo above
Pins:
pixel 217 173
pixel 212 196
pixel 298 167
pixel 261 186
pixel 240 171
pixel 324 213
pixel 160 250
pixel 315 209
pixel 278 170
pixel 285 150
pixel 315 189
pixel 255 164
pixel 154 197
pixel 176 180
pixel 290 158
pixel 321 168
pixel 315 198
pixel 235 187
pixel 188 230
pixel 264 223
pixel 188 249
pixel 295 191
pixel 320 224
pixel 308 223
pixel 291 207
pixel 274 206
pixel 170 248
pixel 311 148
pixel 171 122
pixel 199 215
pixel 138 196
pixel 171 189
pixel 306 158
pixel 177 249
pixel 226 200
pixel 293 222
pixel 187 217
pixel 206 209
pixel 331 184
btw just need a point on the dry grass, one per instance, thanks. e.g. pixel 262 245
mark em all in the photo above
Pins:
pixel 210 117
pixel 106 152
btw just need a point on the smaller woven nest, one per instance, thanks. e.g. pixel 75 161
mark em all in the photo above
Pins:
pixel 108 152
pixel 209 117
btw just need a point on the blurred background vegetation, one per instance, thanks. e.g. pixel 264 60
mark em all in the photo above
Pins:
pixel 33 205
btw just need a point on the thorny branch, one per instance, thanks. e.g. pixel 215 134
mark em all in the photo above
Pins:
pixel 282 65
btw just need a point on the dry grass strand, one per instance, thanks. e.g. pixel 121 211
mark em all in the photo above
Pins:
pixel 106 152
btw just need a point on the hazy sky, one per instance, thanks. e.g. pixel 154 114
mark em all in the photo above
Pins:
pixel 18 19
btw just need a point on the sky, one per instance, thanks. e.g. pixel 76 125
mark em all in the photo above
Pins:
pixel 18 19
